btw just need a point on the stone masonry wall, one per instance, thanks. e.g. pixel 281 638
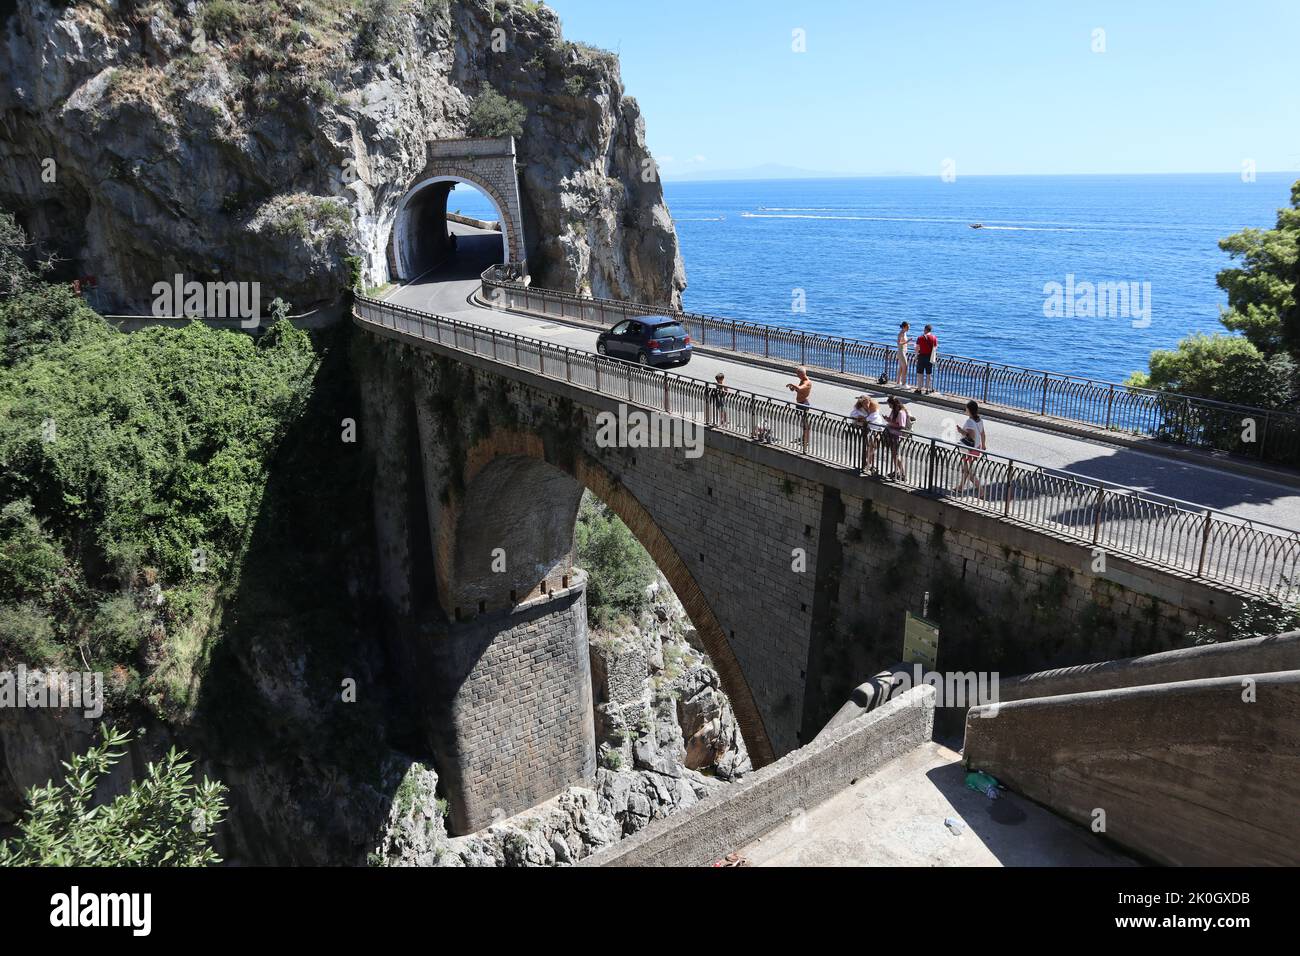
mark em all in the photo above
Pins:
pixel 515 694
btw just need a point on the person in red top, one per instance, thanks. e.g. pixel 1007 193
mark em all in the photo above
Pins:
pixel 927 343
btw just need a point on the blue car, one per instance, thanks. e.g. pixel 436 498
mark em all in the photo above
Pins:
pixel 647 340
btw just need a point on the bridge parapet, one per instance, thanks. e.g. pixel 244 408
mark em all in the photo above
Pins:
pixel 1108 408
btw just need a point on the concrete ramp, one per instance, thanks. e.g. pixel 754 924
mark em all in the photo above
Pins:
pixel 917 811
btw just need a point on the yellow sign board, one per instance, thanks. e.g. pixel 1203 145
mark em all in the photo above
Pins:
pixel 920 641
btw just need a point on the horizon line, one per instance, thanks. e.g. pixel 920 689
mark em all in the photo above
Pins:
pixel 815 175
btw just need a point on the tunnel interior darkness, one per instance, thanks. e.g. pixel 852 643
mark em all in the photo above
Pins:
pixel 420 236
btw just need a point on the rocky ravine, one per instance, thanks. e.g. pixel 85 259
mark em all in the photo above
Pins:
pixel 271 141
pixel 667 737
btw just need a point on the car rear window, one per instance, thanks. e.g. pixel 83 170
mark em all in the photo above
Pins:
pixel 670 331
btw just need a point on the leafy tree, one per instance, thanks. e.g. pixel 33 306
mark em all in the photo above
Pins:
pixel 1228 368
pixel 1262 291
pixel 163 820
pixel 494 115
pixel 1258 366
pixel 618 568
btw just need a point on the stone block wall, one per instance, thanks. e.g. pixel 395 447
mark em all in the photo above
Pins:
pixel 513 696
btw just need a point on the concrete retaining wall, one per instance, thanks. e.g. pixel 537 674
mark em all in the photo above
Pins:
pixel 1257 655
pixel 798 781
pixel 1200 772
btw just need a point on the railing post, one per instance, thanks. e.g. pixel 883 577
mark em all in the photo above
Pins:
pixel 1110 404
pixel 541 360
pixel 1205 543
pixel 596 365
pixel 753 414
pixel 988 373
pixel 494 344
pixel 844 347
pixel 1043 409
pixel 929 466
pixel 1263 435
pixel 1096 520
pixel 803 348
pixel 733 335
pixel 1007 491
pixel 666 408
pixel 568 371
pixel 767 349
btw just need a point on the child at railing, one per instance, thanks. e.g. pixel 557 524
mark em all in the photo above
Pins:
pixel 718 399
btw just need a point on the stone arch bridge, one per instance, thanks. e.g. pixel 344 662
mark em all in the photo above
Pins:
pixel 797 572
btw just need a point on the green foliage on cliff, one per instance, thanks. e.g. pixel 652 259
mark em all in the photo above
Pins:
pixel 1258 365
pixel 494 115
pixel 163 820
pixel 618 568
pixel 131 468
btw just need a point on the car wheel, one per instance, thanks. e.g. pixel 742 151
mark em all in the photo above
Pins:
pixel 600 347
pixel 642 358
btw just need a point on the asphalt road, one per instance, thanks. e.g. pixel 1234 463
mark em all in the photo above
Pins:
pixel 447 291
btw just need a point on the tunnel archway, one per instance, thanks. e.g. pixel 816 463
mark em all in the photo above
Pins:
pixel 419 239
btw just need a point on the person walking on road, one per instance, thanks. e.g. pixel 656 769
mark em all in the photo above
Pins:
pixel 927 344
pixel 974 443
pixel 902 353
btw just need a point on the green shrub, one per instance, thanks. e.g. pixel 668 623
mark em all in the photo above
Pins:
pixel 117 629
pixel 30 559
pixel 163 820
pixel 618 568
pixel 27 636
pixel 494 115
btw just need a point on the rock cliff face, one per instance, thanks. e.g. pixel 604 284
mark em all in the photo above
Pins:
pixel 668 740
pixel 272 141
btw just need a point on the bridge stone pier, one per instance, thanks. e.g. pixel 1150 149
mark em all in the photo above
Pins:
pixel 796 573
pixel 418 239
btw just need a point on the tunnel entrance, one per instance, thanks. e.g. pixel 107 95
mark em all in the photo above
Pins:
pixel 423 237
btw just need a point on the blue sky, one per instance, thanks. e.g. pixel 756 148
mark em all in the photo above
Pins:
pixel 998 87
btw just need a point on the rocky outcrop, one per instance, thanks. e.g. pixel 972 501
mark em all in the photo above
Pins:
pixel 272 142
pixel 668 740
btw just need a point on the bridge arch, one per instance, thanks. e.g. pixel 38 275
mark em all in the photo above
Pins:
pixel 417 240
pixel 532 500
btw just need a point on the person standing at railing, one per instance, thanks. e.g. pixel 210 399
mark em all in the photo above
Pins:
pixel 902 352
pixel 866 415
pixel 802 398
pixel 896 424
pixel 927 344
pixel 719 400
pixel 974 443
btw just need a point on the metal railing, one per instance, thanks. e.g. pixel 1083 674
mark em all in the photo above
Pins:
pixel 1267 435
pixel 1200 542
